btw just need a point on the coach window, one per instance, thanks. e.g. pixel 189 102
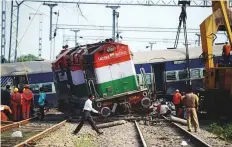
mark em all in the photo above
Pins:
pixel 34 88
pixel 171 75
pixel 201 72
pixel 47 87
pixel 195 73
pixel 182 74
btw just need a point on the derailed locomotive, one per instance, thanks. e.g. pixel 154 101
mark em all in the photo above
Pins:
pixel 104 69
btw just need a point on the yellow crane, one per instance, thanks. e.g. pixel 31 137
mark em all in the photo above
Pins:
pixel 218 80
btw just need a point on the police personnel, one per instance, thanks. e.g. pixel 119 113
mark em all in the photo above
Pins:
pixel 191 104
pixel 87 116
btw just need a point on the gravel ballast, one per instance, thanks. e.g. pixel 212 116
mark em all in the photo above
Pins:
pixel 118 136
pixel 162 135
pixel 210 138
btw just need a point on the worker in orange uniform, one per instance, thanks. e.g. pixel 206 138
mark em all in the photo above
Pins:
pixel 226 52
pixel 3 109
pixel 16 104
pixel 27 97
pixel 176 101
pixel 191 102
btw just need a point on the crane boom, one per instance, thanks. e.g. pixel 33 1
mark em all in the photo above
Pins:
pixel 221 19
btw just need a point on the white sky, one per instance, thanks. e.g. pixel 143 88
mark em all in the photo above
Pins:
pixel 136 16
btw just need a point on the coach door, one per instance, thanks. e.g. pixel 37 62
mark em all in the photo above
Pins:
pixel 158 70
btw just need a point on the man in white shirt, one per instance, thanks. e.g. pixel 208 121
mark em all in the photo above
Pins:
pixel 87 116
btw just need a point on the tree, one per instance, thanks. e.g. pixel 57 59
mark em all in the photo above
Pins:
pixel 28 57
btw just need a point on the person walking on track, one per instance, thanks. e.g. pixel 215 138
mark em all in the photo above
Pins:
pixel 16 98
pixel 27 97
pixel 87 116
pixel 191 104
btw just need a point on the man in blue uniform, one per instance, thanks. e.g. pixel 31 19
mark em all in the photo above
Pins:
pixel 87 116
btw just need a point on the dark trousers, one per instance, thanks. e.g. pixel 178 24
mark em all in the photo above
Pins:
pixel 226 59
pixel 177 106
pixel 86 116
pixel 41 110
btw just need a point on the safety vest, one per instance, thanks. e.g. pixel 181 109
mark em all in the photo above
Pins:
pixel 176 98
pixel 16 97
pixel 27 95
pixel 226 49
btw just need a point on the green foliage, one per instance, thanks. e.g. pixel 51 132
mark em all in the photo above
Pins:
pixel 84 141
pixel 28 57
pixel 223 131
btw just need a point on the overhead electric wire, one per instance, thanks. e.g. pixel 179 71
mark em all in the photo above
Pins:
pixel 23 37
pixel 135 27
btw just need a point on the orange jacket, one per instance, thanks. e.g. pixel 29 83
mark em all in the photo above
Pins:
pixel 176 98
pixel 27 95
pixel 16 98
pixel 226 49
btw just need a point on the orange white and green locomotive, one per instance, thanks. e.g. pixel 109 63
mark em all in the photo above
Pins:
pixel 104 69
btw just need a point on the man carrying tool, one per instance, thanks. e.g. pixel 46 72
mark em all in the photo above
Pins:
pixel 27 97
pixel 87 116
pixel 176 101
pixel 16 98
pixel 191 104
pixel 226 52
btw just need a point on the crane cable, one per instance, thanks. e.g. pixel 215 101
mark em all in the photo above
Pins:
pixel 18 42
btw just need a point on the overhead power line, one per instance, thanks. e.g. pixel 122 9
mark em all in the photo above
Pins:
pixel 172 3
pixel 134 27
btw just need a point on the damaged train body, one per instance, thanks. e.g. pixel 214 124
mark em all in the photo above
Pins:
pixel 104 69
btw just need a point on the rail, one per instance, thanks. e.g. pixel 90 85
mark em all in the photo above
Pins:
pixel 40 135
pixel 193 138
pixel 16 124
pixel 140 135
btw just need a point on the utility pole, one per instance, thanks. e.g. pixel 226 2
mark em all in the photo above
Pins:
pixel 199 38
pixel 75 31
pixel 50 33
pixel 14 25
pixel 114 19
pixel 40 31
pixel 151 45
pixel 3 29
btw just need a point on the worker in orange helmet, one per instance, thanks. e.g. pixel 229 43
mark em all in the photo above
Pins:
pixel 226 52
pixel 27 97
pixel 3 109
pixel 177 101
pixel 16 98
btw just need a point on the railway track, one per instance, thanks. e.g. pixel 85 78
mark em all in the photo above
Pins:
pixel 140 135
pixel 166 133
pixel 193 138
pixel 32 130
